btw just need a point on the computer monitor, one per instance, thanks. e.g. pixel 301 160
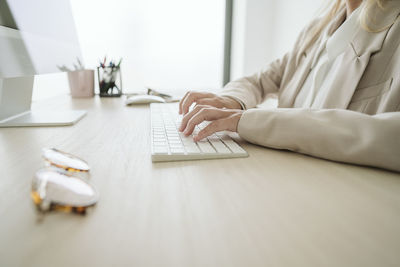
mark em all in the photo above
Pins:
pixel 36 37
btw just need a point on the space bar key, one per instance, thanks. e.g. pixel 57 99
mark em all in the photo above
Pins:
pixel 205 147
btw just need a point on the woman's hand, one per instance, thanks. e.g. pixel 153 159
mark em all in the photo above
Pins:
pixel 204 98
pixel 221 119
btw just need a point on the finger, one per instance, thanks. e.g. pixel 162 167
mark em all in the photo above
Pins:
pixel 189 115
pixel 210 102
pixel 205 114
pixel 196 119
pixel 181 102
pixel 213 127
pixel 193 97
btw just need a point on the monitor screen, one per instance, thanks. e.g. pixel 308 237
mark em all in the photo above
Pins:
pixel 36 37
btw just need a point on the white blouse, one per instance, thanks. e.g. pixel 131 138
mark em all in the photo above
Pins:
pixel 326 64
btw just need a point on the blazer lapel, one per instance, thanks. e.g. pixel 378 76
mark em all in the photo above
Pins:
pixel 288 95
pixel 356 59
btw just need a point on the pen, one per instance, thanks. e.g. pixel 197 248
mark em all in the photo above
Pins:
pixel 80 64
pixel 119 63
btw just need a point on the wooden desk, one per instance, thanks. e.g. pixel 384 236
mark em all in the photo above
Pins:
pixel 274 208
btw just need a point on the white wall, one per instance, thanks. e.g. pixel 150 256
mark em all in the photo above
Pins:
pixel 264 30
pixel 165 44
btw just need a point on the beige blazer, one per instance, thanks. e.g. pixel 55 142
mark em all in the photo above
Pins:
pixel 359 121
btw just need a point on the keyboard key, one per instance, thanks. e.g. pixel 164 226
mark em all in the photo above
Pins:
pixel 205 147
pixel 175 141
pixel 175 146
pixel 158 144
pixel 192 149
pixel 220 147
pixel 187 142
pixel 176 151
pixel 234 147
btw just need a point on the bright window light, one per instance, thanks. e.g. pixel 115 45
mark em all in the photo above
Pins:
pixel 174 44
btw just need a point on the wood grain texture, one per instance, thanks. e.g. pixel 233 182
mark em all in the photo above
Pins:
pixel 274 208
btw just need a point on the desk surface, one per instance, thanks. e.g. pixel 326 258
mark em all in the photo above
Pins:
pixel 274 208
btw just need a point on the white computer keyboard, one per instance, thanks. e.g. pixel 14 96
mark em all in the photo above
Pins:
pixel 168 144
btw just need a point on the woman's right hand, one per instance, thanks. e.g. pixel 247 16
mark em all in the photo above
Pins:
pixel 206 98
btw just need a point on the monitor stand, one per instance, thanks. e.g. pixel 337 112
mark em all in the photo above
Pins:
pixel 15 107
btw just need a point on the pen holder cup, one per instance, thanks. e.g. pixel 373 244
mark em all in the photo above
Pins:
pixel 81 83
pixel 110 81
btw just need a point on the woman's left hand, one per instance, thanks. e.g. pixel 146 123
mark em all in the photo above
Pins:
pixel 221 119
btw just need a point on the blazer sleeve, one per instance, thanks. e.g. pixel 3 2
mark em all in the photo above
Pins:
pixel 334 134
pixel 251 90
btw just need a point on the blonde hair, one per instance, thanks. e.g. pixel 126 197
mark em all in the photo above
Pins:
pixel 331 11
